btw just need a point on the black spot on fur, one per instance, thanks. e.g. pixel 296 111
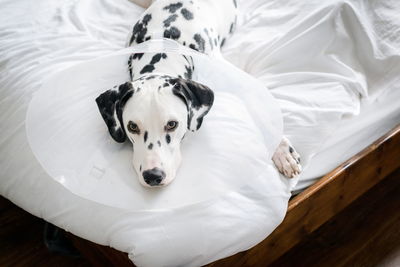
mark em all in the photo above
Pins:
pixel 146 19
pixel 150 67
pixel 159 143
pixel 140 29
pixel 150 147
pixel 169 20
pixel 165 84
pixel 140 33
pixel 223 42
pixel 186 58
pixel 200 42
pixel 157 57
pixel 231 28
pixel 193 47
pixel 137 56
pixel 132 57
pixel 172 8
pixel 173 33
pixel 147 68
pixel 145 136
pixel 168 138
pixel 130 66
pixel 170 81
pixel 209 38
pixel 235 3
pixel 140 168
pixel 186 14
pixel 188 73
pixel 291 150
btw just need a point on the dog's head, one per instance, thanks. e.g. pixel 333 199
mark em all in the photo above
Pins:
pixel 154 113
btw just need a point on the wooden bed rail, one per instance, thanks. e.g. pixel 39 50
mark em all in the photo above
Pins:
pixel 306 212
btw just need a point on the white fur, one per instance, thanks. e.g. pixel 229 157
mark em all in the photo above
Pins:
pixel 151 109
pixel 288 163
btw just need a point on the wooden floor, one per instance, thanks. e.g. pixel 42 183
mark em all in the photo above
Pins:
pixel 361 235
pixel 21 241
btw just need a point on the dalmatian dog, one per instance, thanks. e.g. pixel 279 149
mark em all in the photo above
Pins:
pixel 161 102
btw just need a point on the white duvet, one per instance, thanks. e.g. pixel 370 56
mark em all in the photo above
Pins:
pixel 318 58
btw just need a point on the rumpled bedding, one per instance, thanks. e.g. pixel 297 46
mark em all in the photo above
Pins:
pixel 320 59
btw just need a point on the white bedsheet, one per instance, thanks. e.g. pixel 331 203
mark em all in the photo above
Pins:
pixel 354 134
pixel 317 57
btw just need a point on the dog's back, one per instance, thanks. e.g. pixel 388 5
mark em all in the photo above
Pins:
pixel 202 25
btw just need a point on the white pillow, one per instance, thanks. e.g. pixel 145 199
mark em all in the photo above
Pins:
pixel 226 181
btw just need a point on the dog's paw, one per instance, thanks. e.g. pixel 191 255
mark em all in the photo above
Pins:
pixel 286 159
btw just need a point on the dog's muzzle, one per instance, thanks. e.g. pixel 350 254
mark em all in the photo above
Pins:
pixel 154 176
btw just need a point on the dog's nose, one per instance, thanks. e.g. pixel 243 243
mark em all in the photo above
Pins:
pixel 154 176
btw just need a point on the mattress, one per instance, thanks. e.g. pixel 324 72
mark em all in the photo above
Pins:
pixel 323 62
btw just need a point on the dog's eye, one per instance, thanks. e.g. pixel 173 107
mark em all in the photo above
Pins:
pixel 133 128
pixel 171 125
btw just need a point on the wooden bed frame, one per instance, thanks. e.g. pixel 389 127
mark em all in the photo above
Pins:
pixel 306 212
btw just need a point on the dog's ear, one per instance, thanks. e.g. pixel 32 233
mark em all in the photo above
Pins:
pixel 197 97
pixel 111 104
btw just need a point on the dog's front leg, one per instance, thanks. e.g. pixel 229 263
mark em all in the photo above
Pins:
pixel 286 159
